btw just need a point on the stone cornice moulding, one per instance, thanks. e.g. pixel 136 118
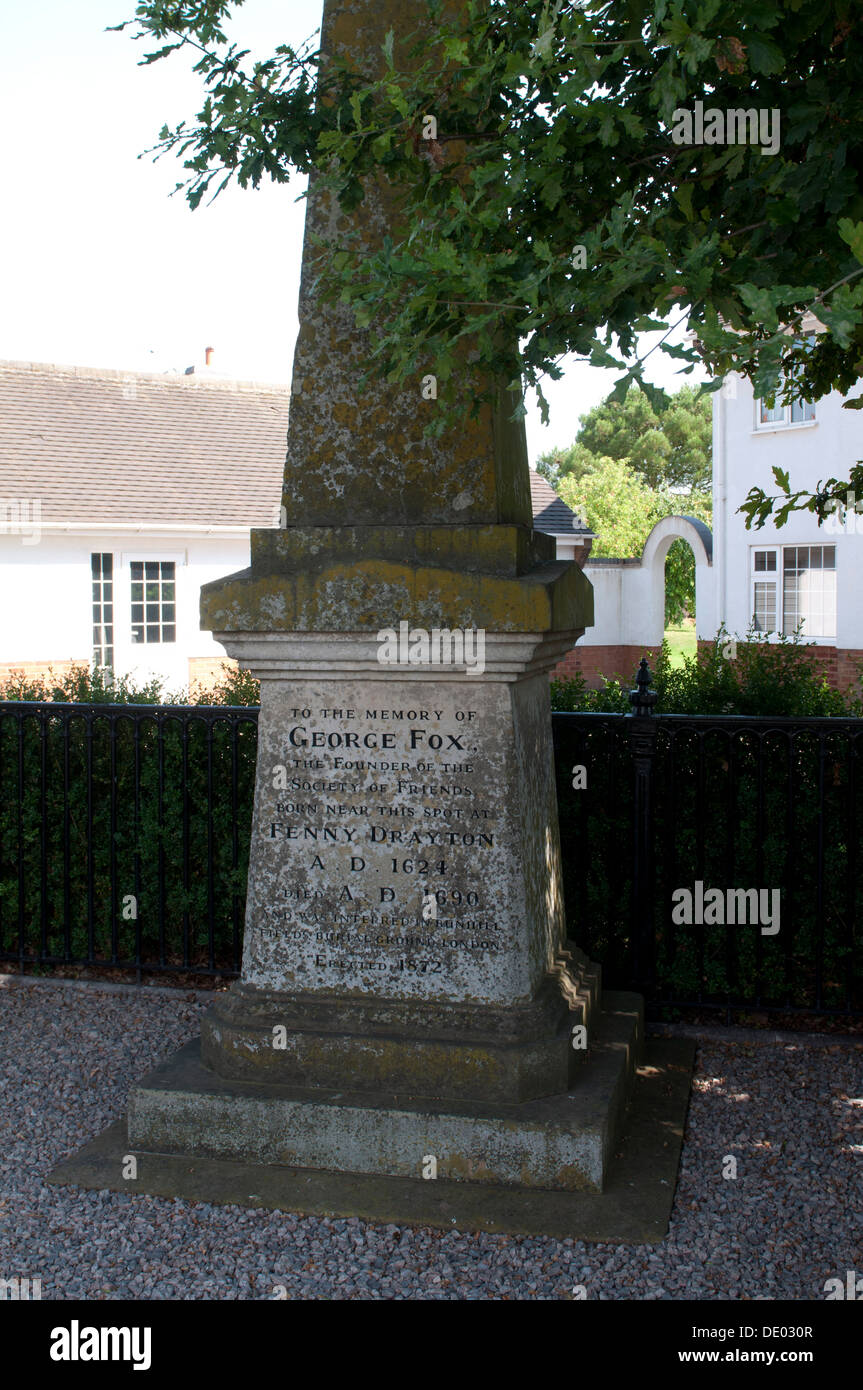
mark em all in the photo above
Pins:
pixel 275 656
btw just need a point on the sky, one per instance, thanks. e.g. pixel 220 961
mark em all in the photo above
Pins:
pixel 103 268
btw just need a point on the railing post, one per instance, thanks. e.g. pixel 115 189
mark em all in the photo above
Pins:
pixel 642 730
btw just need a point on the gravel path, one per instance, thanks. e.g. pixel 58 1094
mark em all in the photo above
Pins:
pixel 791 1113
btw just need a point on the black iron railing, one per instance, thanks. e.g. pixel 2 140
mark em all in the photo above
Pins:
pixel 681 818
pixel 124 835
pixel 124 840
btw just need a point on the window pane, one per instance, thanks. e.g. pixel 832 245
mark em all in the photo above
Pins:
pixel 137 634
pixel 137 569
pixel 774 415
pixel 765 560
pixel 802 410
pixel 153 601
pixel 809 591
pixel 764 616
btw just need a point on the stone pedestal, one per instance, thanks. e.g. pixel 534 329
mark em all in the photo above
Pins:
pixel 407 989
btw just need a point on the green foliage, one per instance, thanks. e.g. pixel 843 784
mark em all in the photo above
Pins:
pixel 176 835
pixel 668 444
pixel 570 462
pixel 733 808
pixel 555 133
pixel 572 694
pixel 83 684
pixel 830 497
pixel 742 675
pixel 237 687
pixel 161 841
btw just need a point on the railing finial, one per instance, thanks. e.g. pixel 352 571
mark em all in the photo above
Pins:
pixel 642 698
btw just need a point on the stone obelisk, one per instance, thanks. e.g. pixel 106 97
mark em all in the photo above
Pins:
pixel 407 989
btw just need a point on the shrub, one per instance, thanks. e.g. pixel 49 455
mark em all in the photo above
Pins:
pixel 730 676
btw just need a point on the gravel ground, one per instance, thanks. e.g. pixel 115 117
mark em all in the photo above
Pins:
pixel 789 1112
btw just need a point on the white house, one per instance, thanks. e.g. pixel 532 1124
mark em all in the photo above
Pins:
pixel 774 579
pixel 120 495
pixel 800 574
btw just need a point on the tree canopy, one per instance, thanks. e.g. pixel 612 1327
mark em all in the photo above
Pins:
pixel 668 445
pixel 553 198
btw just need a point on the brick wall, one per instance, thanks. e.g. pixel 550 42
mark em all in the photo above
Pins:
pixel 848 662
pixel 207 671
pixel 35 670
pixel 595 662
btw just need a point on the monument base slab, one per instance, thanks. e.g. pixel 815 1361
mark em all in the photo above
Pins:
pixel 634 1207
pixel 558 1142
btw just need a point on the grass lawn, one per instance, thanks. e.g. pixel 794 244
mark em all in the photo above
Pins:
pixel 681 640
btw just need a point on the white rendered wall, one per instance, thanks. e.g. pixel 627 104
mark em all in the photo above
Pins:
pixel 46 598
pixel 744 456
pixel 629 595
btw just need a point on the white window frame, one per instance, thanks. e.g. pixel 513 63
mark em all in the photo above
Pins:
pixel 106 646
pixel 124 597
pixel 766 577
pixel 786 423
pixel 776 577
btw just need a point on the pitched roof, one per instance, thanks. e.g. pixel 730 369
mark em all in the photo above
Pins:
pixel 99 446
pixel 102 446
pixel 550 512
